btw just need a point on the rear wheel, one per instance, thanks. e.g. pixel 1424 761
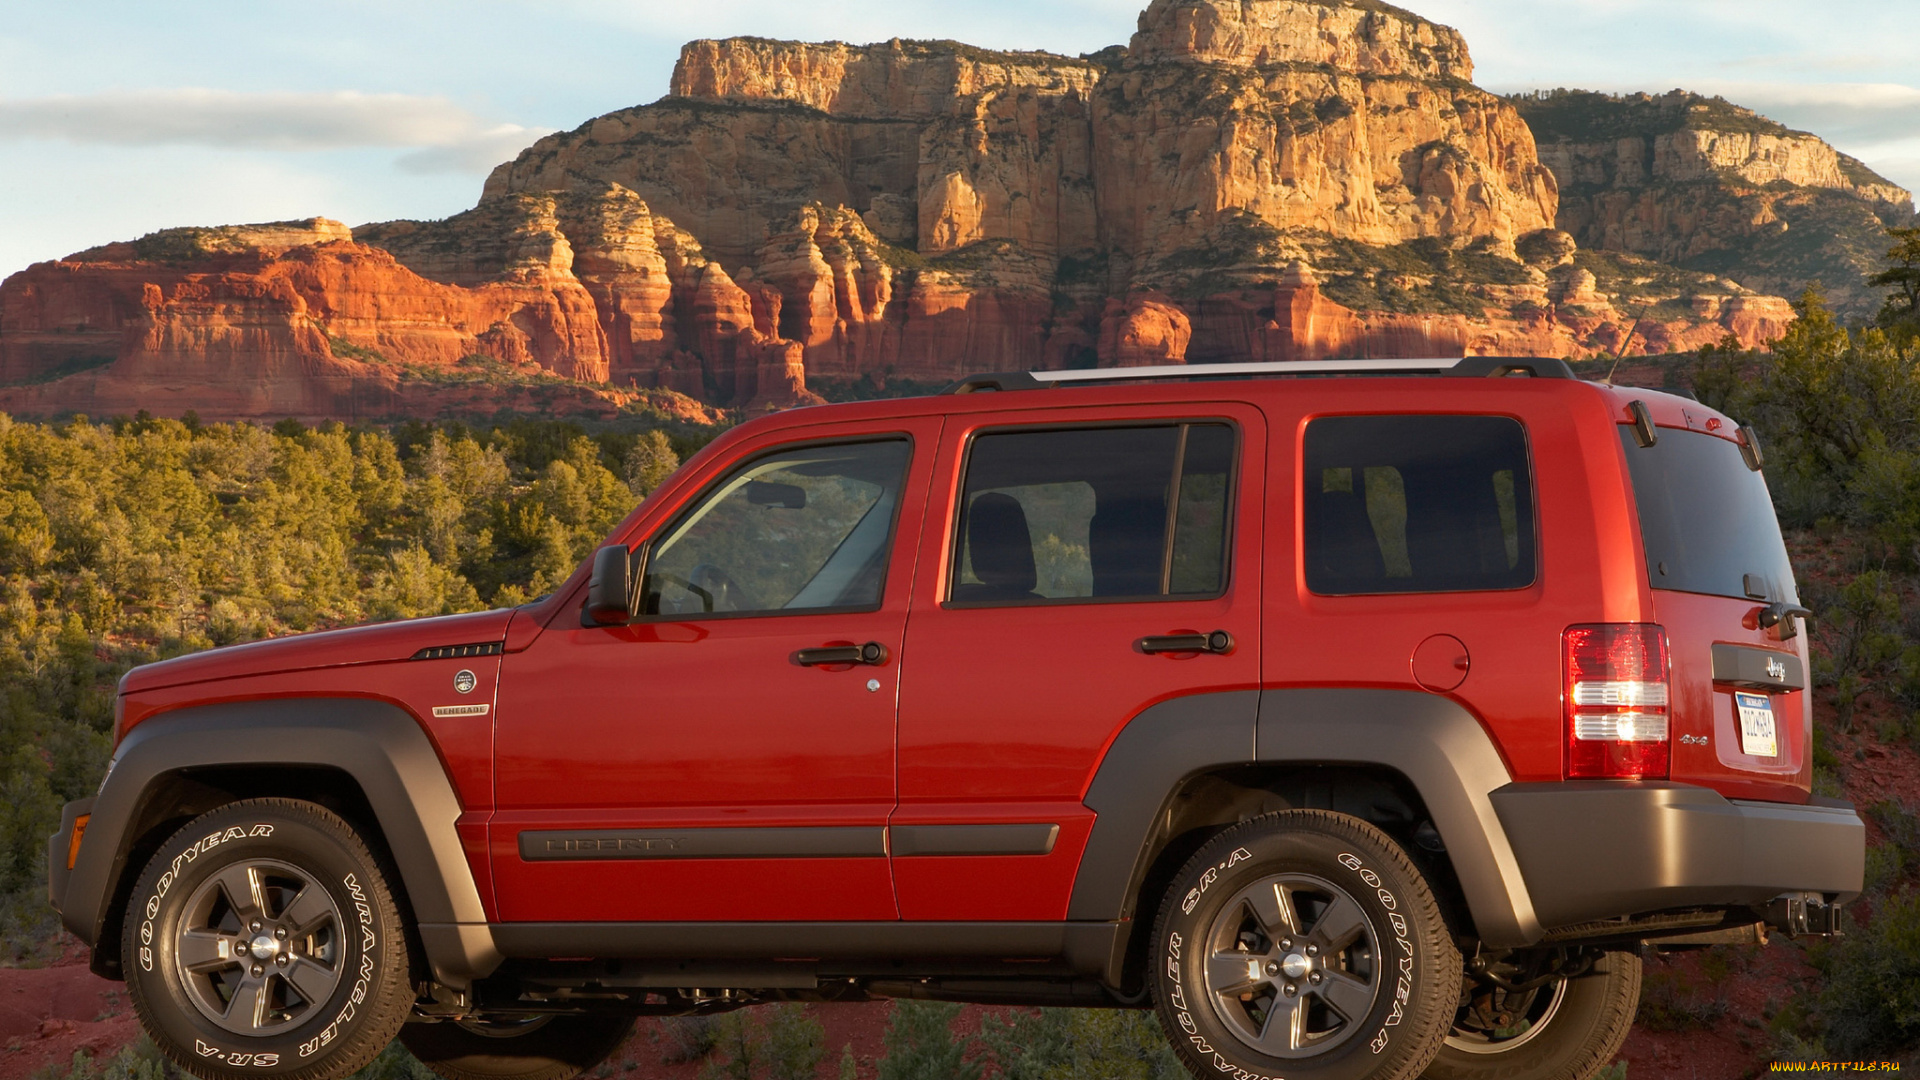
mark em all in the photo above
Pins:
pixel 1567 1029
pixel 262 940
pixel 1303 944
pixel 516 1048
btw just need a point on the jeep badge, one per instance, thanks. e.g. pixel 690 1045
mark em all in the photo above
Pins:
pixel 464 681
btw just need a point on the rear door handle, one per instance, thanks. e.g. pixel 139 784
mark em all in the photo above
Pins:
pixel 1218 642
pixel 872 653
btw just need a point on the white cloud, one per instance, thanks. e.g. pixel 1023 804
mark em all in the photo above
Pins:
pixel 239 120
pixel 478 153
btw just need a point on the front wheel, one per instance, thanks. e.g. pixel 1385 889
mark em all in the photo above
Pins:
pixel 517 1048
pixel 1303 944
pixel 1567 1029
pixel 262 940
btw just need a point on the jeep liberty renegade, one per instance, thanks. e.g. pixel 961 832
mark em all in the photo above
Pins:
pixel 1363 718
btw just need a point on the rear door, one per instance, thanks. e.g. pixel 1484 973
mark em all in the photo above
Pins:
pixel 1059 542
pixel 1742 718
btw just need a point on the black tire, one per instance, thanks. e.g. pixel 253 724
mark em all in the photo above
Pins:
pixel 262 940
pixel 534 1048
pixel 1358 964
pixel 1570 1030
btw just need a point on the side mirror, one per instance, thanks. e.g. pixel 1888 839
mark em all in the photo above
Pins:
pixel 617 573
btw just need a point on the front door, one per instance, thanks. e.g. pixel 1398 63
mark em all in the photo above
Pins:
pixel 728 755
pixel 1074 563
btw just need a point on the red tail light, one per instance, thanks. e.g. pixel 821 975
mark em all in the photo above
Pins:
pixel 1616 701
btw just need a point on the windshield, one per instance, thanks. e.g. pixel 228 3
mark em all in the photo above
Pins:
pixel 1705 518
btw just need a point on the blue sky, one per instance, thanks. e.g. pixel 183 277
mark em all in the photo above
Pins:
pixel 118 118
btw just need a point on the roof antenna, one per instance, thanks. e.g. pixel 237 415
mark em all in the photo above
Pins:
pixel 1608 381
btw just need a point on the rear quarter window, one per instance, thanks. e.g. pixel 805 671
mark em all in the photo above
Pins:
pixel 1706 520
pixel 1412 504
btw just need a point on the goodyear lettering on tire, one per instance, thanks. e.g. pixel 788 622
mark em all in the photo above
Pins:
pixel 1403 980
pixel 185 858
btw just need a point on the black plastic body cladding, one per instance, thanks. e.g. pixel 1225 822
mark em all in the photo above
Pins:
pixel 1156 751
pixel 1448 758
pixel 1085 947
pixel 1437 745
pixel 1595 849
pixel 380 746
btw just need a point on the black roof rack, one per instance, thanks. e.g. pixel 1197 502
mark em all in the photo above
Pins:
pixel 1471 367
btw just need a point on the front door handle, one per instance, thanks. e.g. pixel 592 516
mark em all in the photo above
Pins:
pixel 872 653
pixel 1219 642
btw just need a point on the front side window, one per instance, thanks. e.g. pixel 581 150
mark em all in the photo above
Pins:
pixel 1094 513
pixel 1412 504
pixel 807 529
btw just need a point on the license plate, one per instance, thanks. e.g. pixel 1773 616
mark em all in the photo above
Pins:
pixel 1756 725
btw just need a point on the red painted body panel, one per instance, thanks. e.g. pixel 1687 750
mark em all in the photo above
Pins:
pixel 1694 623
pixel 331 648
pixel 704 723
pixel 1512 637
pixel 1009 709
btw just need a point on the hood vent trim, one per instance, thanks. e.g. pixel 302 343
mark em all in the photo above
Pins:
pixel 453 652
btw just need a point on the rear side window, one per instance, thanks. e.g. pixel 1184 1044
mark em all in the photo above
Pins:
pixel 1411 504
pixel 1705 518
pixel 1094 513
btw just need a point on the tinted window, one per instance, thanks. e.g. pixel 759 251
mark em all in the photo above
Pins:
pixel 799 530
pixel 1705 518
pixel 1092 513
pixel 1402 504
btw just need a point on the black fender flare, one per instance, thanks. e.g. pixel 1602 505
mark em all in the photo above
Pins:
pixel 379 745
pixel 1432 741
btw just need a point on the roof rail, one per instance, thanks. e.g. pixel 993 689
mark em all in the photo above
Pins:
pixel 1472 367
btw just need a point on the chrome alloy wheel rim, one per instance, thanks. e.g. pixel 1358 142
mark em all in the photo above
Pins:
pixel 258 948
pixel 1292 965
pixel 1540 1008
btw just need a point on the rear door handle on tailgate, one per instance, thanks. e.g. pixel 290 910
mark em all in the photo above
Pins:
pixel 1758 669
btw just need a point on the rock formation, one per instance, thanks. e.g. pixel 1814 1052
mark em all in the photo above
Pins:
pixel 1247 179
pixel 1707 185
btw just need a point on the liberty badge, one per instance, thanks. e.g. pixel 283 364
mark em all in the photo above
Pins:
pixel 464 681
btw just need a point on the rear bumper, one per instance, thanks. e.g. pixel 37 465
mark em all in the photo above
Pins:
pixel 1595 850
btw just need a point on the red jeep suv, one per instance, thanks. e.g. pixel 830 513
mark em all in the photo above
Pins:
pixel 1363 718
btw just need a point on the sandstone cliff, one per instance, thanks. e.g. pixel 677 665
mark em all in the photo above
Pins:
pixel 1707 185
pixel 1247 179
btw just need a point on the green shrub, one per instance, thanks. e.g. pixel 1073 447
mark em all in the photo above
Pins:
pixel 140 1061
pixel 689 1038
pixel 772 1042
pixel 1670 1002
pixel 1871 1002
pixel 1080 1044
pixel 921 1045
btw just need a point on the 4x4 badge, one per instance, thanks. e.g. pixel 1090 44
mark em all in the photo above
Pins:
pixel 1776 670
pixel 464 681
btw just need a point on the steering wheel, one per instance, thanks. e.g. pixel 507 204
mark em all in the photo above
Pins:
pixel 705 597
pixel 720 590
